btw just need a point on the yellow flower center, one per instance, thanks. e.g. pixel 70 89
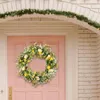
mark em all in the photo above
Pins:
pixel 48 67
pixel 24 59
pixel 28 61
pixel 48 57
pixel 33 76
pixel 25 74
pixel 51 58
pixel 33 51
pixel 34 72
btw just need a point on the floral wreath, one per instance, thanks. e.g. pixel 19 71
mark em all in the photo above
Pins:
pixel 41 52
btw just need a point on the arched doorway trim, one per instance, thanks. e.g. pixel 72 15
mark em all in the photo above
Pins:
pixel 60 15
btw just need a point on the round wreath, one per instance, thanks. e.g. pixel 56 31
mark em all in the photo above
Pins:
pixel 41 52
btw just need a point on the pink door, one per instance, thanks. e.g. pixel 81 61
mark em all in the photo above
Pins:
pixel 21 90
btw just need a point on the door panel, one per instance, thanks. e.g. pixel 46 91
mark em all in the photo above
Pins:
pixel 55 90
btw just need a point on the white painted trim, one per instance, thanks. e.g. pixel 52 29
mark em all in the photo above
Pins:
pixel 60 17
pixel 60 5
pixel 3 67
pixel 71 67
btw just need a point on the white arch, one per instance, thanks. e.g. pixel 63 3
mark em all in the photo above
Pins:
pixel 57 17
pixel 53 4
pixel 13 5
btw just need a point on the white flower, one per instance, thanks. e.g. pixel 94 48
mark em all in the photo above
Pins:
pixel 25 56
pixel 23 68
pixel 37 78
pixel 51 70
pixel 39 50
pixel 48 57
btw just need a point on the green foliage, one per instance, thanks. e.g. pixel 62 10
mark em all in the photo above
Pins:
pixel 35 11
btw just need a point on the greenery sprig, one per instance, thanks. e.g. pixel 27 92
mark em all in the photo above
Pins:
pixel 64 13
